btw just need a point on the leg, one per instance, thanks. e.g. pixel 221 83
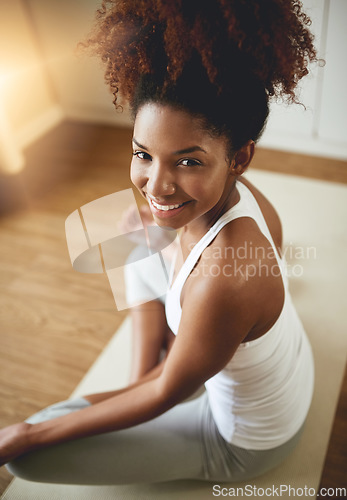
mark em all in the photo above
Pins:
pixel 151 334
pixel 165 448
pixel 183 443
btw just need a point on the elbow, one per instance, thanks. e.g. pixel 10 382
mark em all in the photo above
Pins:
pixel 169 395
pixel 165 399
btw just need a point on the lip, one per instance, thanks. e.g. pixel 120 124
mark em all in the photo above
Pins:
pixel 165 214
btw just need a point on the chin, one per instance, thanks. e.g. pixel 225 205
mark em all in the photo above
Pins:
pixel 167 224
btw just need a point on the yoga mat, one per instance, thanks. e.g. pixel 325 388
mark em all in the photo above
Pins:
pixel 314 215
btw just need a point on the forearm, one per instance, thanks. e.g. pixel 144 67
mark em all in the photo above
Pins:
pixel 137 405
pixel 151 375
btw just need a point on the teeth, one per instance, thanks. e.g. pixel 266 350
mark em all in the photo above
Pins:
pixel 165 207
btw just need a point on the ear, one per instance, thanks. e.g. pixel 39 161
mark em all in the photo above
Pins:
pixel 242 158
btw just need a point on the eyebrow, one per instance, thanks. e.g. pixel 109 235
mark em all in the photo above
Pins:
pixel 192 149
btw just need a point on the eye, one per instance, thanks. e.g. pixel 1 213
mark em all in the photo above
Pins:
pixel 189 162
pixel 141 155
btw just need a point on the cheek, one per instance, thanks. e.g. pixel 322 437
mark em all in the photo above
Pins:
pixel 207 189
pixel 135 175
pixel 198 191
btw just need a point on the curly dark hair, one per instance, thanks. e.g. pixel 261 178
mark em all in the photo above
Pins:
pixel 219 59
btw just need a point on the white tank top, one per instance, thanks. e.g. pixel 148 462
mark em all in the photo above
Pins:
pixel 260 399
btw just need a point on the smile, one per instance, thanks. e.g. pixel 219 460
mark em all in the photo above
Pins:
pixel 165 207
pixel 166 211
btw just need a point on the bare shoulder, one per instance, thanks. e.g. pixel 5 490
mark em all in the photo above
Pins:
pixel 238 275
pixel 269 212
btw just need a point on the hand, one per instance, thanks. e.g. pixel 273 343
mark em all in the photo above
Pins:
pixel 14 442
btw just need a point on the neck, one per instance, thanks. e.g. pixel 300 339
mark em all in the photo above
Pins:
pixel 196 229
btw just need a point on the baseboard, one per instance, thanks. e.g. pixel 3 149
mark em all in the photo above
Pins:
pixel 304 145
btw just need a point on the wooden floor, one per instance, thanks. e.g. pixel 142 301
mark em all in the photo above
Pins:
pixel 54 322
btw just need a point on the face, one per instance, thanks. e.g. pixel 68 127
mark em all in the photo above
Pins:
pixel 180 169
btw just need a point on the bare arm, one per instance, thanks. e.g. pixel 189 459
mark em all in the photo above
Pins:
pixel 152 374
pixel 202 348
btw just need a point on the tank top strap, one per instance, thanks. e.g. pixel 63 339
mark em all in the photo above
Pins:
pixel 250 208
pixel 247 206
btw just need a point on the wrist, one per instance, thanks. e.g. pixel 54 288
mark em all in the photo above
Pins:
pixel 24 429
pixel 30 436
pixel 56 430
pixel 38 435
pixel 14 441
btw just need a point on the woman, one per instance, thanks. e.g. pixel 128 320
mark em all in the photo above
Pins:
pixel 198 77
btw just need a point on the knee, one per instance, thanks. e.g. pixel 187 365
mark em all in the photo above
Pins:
pixel 58 410
pixel 137 277
pixel 42 466
pixel 146 277
pixel 13 469
pixel 22 468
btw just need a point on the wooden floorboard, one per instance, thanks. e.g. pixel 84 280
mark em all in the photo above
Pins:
pixel 54 322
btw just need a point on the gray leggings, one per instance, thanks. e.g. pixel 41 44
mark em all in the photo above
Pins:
pixel 183 443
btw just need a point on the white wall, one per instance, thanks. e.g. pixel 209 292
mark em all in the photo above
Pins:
pixel 332 125
pixel 78 78
pixel 321 129
pixel 27 104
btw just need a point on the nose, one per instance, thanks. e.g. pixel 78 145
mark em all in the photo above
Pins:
pixel 161 181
